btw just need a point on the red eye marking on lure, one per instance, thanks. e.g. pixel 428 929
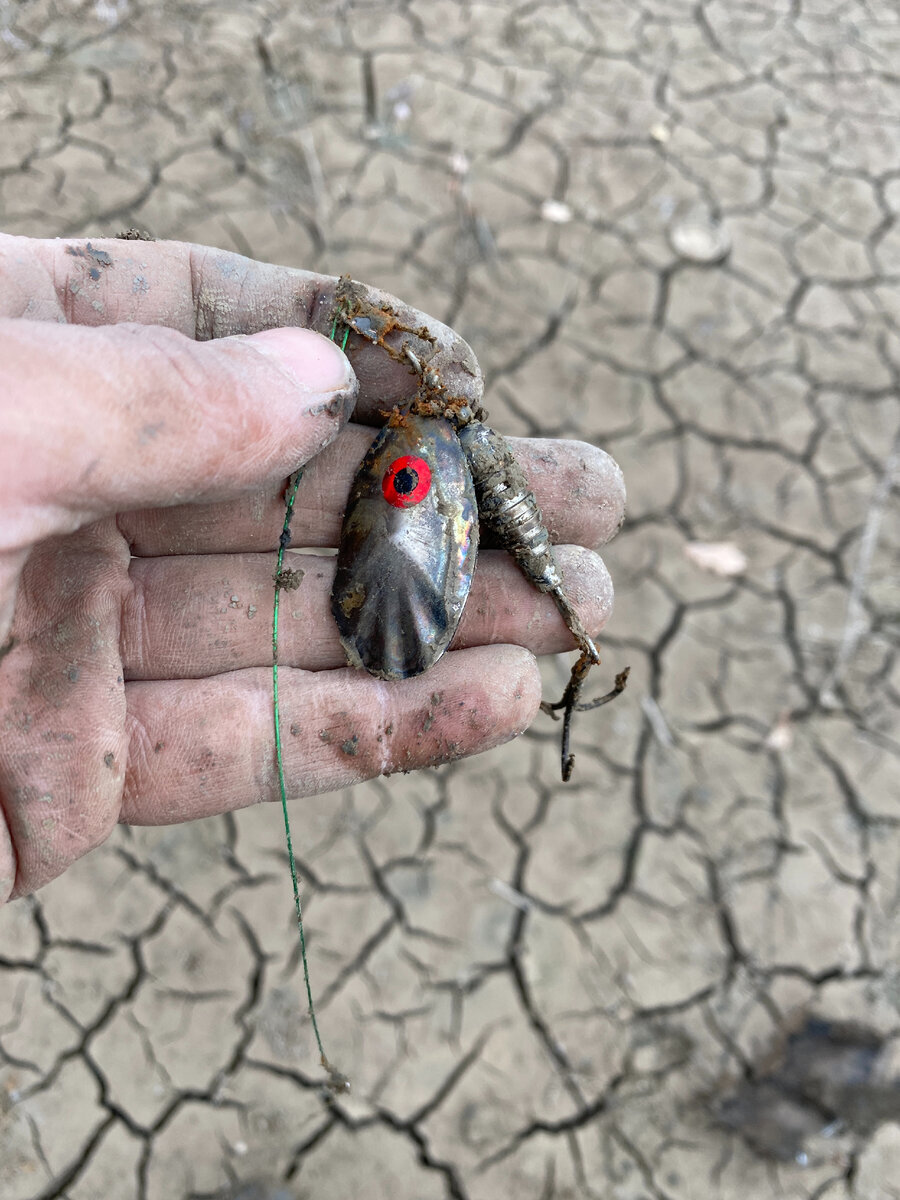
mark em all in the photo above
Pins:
pixel 406 481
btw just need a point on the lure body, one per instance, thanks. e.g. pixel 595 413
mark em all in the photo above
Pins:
pixel 407 551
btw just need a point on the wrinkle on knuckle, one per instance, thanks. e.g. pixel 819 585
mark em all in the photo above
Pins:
pixel 134 641
pixel 139 770
pixel 203 324
pixel 178 368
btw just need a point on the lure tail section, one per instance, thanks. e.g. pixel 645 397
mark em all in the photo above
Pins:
pixel 508 508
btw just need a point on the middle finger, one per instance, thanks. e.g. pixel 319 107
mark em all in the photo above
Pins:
pixel 578 487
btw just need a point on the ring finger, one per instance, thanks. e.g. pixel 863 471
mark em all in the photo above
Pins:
pixel 194 616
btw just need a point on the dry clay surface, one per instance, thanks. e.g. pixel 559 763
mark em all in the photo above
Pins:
pixel 668 228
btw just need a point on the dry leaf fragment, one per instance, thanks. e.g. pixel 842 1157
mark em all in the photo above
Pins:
pixel 721 558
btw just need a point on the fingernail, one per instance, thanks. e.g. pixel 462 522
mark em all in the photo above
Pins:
pixel 316 363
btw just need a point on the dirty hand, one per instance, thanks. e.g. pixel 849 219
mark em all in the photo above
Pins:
pixel 151 411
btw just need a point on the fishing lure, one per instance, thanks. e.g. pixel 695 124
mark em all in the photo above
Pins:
pixel 409 542
pixel 411 527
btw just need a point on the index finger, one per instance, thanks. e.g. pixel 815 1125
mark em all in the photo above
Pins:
pixel 207 293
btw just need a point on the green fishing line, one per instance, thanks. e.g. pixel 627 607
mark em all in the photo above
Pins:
pixel 336 1081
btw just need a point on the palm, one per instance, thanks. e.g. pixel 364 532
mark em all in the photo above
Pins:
pixel 62 692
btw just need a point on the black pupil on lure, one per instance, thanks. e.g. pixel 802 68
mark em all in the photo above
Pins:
pixel 405 481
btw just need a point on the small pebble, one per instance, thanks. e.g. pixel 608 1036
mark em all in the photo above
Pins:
pixel 720 558
pixel 459 164
pixel 700 242
pixel 556 212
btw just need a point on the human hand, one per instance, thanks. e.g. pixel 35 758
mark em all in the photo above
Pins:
pixel 151 410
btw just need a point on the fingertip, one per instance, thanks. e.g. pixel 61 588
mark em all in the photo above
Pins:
pixel 518 694
pixel 598 491
pixel 489 695
pixel 588 585
pixel 503 606
pixel 471 701
pixel 316 365
pixel 580 487
pixel 610 491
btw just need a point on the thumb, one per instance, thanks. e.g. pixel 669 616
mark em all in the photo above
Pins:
pixel 97 420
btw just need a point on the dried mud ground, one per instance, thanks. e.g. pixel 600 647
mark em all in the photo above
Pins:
pixel 668 228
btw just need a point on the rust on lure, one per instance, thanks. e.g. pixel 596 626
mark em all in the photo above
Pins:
pixel 410 534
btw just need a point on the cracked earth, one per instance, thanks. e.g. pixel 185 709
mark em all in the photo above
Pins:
pixel 669 229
